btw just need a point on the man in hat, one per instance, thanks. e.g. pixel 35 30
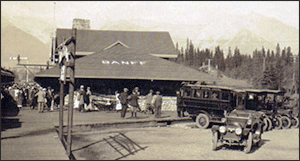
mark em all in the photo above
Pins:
pixel 157 102
pixel 148 100
pixel 123 99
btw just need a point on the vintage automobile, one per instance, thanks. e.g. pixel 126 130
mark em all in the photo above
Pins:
pixel 241 127
pixel 269 102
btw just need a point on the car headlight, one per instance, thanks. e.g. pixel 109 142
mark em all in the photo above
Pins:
pixel 222 129
pixel 223 120
pixel 238 131
pixel 249 122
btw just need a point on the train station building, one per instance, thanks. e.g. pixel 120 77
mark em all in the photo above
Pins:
pixel 112 60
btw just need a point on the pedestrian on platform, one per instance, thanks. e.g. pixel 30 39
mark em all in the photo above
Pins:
pixel 118 102
pixel 80 97
pixel 31 95
pixel 88 100
pixel 123 99
pixel 41 97
pixel 20 97
pixel 157 102
pixel 133 103
pixel 148 100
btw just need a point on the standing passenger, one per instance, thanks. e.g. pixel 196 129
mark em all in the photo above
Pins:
pixel 81 96
pixel 148 101
pixel 133 103
pixel 88 99
pixel 123 99
pixel 41 96
pixel 157 102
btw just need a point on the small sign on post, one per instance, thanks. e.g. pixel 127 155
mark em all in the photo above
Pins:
pixel 63 73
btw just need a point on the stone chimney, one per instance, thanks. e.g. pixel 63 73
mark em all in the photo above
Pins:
pixel 81 23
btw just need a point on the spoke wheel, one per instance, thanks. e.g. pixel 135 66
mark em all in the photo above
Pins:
pixel 278 123
pixel 294 122
pixel 270 125
pixel 286 122
pixel 266 124
pixel 202 121
pixel 249 143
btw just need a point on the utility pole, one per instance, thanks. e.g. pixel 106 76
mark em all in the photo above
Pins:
pixel 71 65
pixel 67 62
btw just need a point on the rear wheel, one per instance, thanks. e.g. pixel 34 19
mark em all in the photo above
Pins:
pixel 265 127
pixel 202 121
pixel 286 122
pixel 215 140
pixel 270 125
pixel 278 123
pixel 294 122
pixel 249 143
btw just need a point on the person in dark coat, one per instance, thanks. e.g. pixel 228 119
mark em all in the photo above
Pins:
pixel 123 99
pixel 157 102
pixel 133 103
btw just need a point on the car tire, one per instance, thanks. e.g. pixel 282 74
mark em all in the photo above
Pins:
pixel 270 124
pixel 286 122
pixel 294 122
pixel 278 123
pixel 215 141
pixel 202 121
pixel 249 142
pixel 266 124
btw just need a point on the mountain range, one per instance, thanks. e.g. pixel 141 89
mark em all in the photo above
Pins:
pixel 31 36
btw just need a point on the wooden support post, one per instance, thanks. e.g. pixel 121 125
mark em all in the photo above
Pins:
pixel 61 106
pixel 71 94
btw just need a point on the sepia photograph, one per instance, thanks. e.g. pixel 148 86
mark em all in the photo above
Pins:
pixel 149 80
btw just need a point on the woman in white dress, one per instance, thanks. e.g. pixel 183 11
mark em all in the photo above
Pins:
pixel 118 103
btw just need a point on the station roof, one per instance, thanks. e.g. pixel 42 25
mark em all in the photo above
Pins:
pixel 119 62
pixel 157 43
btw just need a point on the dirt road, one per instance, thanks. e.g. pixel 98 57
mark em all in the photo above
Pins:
pixel 183 142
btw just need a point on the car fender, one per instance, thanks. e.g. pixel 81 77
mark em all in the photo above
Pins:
pixel 215 128
pixel 246 131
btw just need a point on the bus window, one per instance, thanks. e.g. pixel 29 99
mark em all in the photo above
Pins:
pixel 225 95
pixel 197 93
pixel 205 94
pixel 215 95
pixel 188 92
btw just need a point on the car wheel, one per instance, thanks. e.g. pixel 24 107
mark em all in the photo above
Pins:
pixel 294 122
pixel 278 123
pixel 270 124
pixel 202 121
pixel 265 127
pixel 249 143
pixel 286 122
pixel 215 140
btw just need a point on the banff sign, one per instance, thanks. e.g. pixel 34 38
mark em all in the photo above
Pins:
pixel 124 62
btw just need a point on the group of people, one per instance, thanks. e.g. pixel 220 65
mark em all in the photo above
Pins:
pixel 152 103
pixel 83 99
pixel 32 95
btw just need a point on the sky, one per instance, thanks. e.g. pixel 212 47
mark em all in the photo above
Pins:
pixel 177 12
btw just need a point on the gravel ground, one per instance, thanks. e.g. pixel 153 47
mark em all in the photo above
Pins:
pixel 182 141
